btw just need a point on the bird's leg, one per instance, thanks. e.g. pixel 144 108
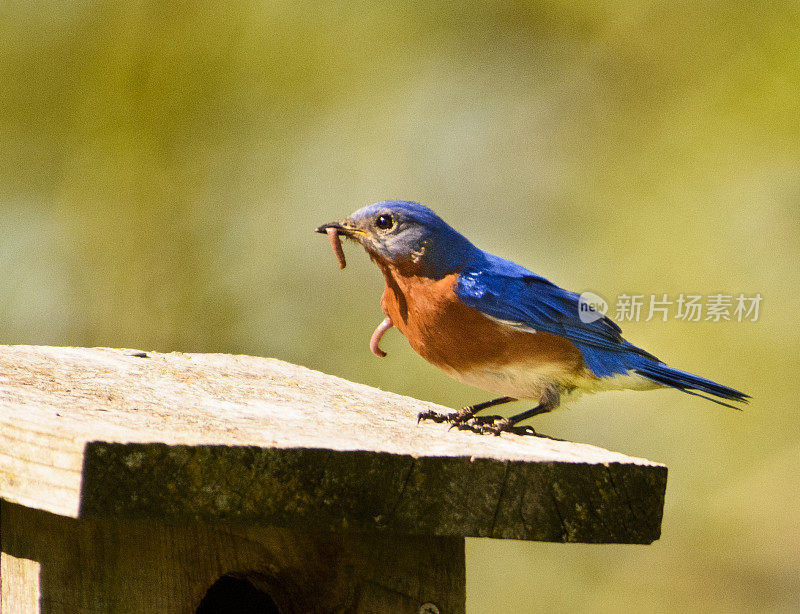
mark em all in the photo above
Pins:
pixel 466 414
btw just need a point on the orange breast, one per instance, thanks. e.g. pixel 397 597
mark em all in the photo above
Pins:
pixel 451 335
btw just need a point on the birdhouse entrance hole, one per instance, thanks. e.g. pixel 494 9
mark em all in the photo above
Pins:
pixel 236 594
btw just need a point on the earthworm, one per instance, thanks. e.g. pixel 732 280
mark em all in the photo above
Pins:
pixel 375 341
pixel 336 244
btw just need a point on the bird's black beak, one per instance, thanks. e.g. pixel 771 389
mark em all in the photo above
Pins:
pixel 324 228
pixel 343 227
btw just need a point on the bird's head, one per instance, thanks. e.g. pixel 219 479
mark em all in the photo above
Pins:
pixel 406 235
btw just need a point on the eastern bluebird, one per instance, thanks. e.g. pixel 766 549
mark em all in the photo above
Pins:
pixel 493 324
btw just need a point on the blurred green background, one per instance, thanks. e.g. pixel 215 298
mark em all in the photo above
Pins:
pixel 163 165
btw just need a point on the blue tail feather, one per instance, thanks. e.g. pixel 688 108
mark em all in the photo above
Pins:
pixel 689 383
pixel 604 363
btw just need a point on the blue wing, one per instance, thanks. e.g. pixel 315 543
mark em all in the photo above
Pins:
pixel 506 291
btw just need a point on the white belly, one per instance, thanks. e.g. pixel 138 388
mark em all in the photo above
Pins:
pixel 527 381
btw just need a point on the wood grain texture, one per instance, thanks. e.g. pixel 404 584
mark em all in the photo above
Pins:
pixel 101 433
pixel 60 565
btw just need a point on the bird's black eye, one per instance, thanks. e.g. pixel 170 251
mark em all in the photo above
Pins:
pixel 384 221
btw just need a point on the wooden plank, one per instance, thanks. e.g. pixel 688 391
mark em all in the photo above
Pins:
pixel 58 564
pixel 100 432
pixel 19 584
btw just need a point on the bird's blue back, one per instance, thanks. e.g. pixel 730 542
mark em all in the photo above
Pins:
pixel 507 291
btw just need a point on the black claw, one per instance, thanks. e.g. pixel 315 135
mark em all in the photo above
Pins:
pixel 456 417
pixel 506 426
pixel 465 420
pixel 485 419
pixel 481 425
pixel 429 414
pixel 465 416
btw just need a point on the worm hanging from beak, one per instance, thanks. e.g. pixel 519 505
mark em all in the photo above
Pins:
pixel 336 244
pixel 375 341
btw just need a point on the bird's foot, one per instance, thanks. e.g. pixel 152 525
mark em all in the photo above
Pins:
pixel 495 425
pixel 454 417
pixel 434 416
pixel 466 414
pixel 481 420
pixel 506 426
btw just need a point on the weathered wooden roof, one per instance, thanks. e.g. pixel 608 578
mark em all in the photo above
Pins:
pixel 238 439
